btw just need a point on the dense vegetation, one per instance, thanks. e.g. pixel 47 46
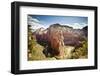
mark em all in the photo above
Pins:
pixel 81 52
pixel 35 50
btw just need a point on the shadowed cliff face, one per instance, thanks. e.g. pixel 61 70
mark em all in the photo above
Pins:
pixel 58 36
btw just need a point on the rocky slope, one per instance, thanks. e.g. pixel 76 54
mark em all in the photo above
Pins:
pixel 57 42
pixel 57 37
pixel 71 36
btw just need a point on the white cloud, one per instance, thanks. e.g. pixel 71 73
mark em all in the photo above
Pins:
pixel 35 23
pixel 77 25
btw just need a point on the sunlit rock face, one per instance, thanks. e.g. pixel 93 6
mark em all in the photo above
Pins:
pixel 56 40
pixel 41 34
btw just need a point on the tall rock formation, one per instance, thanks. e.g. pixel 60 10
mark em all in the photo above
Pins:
pixel 56 40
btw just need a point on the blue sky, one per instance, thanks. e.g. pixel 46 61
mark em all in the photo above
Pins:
pixel 47 20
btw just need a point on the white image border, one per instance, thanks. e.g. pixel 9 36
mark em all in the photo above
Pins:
pixel 26 65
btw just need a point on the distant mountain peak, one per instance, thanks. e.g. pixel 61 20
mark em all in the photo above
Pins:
pixel 59 25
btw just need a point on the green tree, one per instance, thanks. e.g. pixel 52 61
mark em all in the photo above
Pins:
pixel 81 52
